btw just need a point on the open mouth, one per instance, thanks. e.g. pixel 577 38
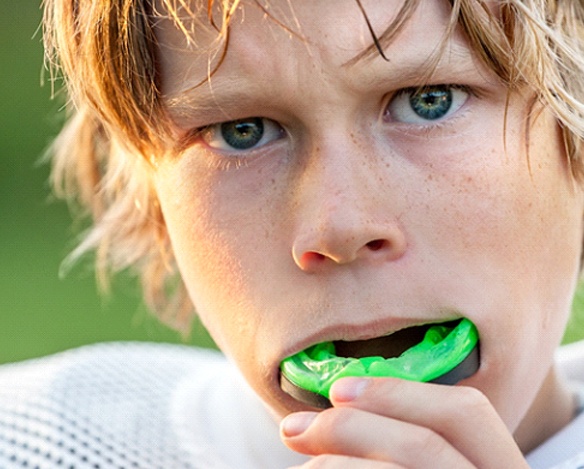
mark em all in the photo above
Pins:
pixel 443 353
pixel 389 346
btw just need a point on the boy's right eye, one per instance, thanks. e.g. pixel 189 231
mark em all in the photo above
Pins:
pixel 242 134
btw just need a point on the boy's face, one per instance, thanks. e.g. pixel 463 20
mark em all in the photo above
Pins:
pixel 345 206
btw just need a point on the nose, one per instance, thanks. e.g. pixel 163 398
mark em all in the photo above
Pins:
pixel 346 213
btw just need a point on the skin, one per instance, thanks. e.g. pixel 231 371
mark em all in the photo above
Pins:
pixel 350 224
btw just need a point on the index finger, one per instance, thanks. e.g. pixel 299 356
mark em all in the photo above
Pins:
pixel 462 415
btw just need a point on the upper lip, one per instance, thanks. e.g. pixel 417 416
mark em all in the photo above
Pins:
pixel 371 330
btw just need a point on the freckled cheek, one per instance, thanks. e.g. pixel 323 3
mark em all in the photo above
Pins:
pixel 508 238
pixel 236 283
pixel 514 238
pixel 462 211
pixel 490 201
pixel 224 245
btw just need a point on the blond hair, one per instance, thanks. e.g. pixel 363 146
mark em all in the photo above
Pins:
pixel 117 125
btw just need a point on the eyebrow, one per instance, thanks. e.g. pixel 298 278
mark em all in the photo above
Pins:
pixel 453 59
pixel 214 100
pixel 211 97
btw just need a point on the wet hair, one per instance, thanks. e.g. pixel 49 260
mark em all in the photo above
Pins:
pixel 105 53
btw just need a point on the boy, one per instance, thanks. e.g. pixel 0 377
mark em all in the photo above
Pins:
pixel 322 171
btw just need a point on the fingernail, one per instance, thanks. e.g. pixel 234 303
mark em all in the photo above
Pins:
pixel 297 423
pixel 348 389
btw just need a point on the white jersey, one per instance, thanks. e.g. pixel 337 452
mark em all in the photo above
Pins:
pixel 134 405
pixel 565 450
pixel 155 406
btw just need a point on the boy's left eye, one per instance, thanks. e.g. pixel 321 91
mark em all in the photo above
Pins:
pixel 242 134
pixel 423 105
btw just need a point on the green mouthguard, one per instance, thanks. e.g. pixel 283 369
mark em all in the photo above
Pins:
pixel 443 348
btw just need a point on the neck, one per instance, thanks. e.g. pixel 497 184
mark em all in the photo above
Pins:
pixel 553 408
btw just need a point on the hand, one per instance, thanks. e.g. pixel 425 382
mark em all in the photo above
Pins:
pixel 396 424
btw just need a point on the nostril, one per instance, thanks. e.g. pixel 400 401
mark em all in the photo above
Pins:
pixel 312 256
pixel 376 244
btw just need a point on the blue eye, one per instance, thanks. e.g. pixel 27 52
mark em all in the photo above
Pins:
pixel 242 134
pixel 431 103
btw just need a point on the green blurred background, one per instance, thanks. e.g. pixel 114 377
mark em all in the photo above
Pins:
pixel 41 313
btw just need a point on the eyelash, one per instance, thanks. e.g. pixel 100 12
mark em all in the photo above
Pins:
pixel 225 160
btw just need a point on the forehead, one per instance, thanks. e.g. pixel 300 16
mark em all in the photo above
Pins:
pixel 309 20
pixel 280 38
pixel 315 24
